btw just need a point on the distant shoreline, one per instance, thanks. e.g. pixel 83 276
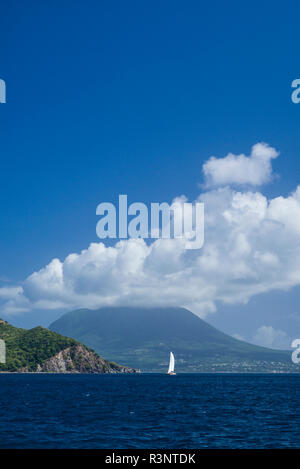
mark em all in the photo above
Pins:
pixel 156 373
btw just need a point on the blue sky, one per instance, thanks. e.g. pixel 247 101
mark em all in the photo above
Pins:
pixel 133 98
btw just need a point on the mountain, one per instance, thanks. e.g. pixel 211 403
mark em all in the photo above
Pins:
pixel 41 350
pixel 143 337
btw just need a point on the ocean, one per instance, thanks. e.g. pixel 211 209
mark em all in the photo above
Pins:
pixel 149 411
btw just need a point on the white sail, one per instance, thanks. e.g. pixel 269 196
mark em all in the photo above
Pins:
pixel 172 363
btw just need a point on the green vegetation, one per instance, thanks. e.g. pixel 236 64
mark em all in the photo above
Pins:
pixel 29 348
pixel 143 337
pixel 40 349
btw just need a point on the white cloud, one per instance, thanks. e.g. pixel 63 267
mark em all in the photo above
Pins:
pixel 252 245
pixel 267 336
pixel 10 292
pixel 255 169
pixel 239 337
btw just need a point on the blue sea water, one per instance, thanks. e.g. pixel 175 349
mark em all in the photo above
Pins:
pixel 149 411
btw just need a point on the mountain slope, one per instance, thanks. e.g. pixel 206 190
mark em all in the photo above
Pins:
pixel 143 337
pixel 41 350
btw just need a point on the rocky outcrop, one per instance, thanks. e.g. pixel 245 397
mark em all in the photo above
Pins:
pixel 40 350
pixel 79 359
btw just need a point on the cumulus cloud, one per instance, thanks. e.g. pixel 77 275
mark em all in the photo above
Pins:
pixel 267 336
pixel 10 292
pixel 255 169
pixel 252 246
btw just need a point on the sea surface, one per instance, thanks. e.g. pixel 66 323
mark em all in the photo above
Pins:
pixel 149 411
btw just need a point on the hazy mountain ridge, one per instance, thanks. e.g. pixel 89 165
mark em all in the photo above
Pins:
pixel 142 338
pixel 41 350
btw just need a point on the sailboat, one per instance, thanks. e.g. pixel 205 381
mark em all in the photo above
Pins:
pixel 171 365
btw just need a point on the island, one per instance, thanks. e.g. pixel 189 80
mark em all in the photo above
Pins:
pixel 40 350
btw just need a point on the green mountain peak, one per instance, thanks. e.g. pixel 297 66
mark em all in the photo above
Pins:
pixel 142 337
